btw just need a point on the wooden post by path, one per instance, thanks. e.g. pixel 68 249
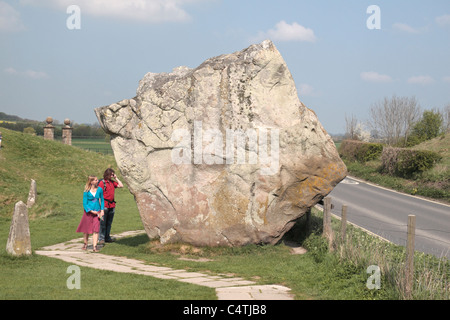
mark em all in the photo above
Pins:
pixel 410 256
pixel 327 232
pixel 343 222
pixel 308 221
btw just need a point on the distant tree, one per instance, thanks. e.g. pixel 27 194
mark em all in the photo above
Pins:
pixel 81 130
pixel 446 117
pixel 355 130
pixel 29 130
pixel 361 133
pixel 350 127
pixel 394 117
pixel 429 127
pixel 84 130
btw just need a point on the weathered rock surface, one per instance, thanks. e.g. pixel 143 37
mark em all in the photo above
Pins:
pixel 191 181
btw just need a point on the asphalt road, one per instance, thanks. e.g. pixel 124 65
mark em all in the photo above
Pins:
pixel 385 213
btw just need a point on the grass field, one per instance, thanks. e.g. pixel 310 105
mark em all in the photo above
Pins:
pixel 95 145
pixel 61 172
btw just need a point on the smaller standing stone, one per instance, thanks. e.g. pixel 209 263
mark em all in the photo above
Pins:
pixel 19 241
pixel 32 195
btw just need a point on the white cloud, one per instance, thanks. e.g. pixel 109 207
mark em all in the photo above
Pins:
pixel 287 32
pixel 443 20
pixel 31 74
pixel 446 79
pixel 403 27
pixel 305 89
pixel 153 11
pixel 10 71
pixel 372 76
pixel 423 80
pixel 9 18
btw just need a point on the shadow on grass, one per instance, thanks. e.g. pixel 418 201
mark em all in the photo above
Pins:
pixel 303 229
pixel 298 233
pixel 133 241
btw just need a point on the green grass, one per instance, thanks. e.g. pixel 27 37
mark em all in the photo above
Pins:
pixel 61 172
pixel 42 278
pixel 94 145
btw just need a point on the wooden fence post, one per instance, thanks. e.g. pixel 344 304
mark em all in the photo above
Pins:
pixel 327 231
pixel 308 221
pixel 410 255
pixel 343 222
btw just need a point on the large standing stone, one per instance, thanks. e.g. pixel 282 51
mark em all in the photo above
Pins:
pixel 19 242
pixel 193 182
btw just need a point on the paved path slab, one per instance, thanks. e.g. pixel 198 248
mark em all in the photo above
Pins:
pixel 267 292
pixel 227 287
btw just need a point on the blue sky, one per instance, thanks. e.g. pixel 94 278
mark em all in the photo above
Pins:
pixel 340 66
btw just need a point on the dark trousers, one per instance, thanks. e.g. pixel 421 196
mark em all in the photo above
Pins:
pixel 105 224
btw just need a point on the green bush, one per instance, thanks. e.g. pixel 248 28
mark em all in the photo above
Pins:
pixel 416 161
pixel 360 151
pixel 407 162
pixel 429 127
pixel 317 246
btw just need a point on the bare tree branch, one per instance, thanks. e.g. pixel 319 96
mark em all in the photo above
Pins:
pixel 393 118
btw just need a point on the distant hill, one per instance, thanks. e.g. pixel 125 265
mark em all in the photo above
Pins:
pixel 16 123
pixel 8 117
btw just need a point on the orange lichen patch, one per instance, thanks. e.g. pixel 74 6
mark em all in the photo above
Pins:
pixel 326 176
pixel 262 203
pixel 229 207
pixel 333 170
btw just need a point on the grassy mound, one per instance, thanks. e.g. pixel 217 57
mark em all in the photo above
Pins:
pixel 60 172
pixel 440 174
